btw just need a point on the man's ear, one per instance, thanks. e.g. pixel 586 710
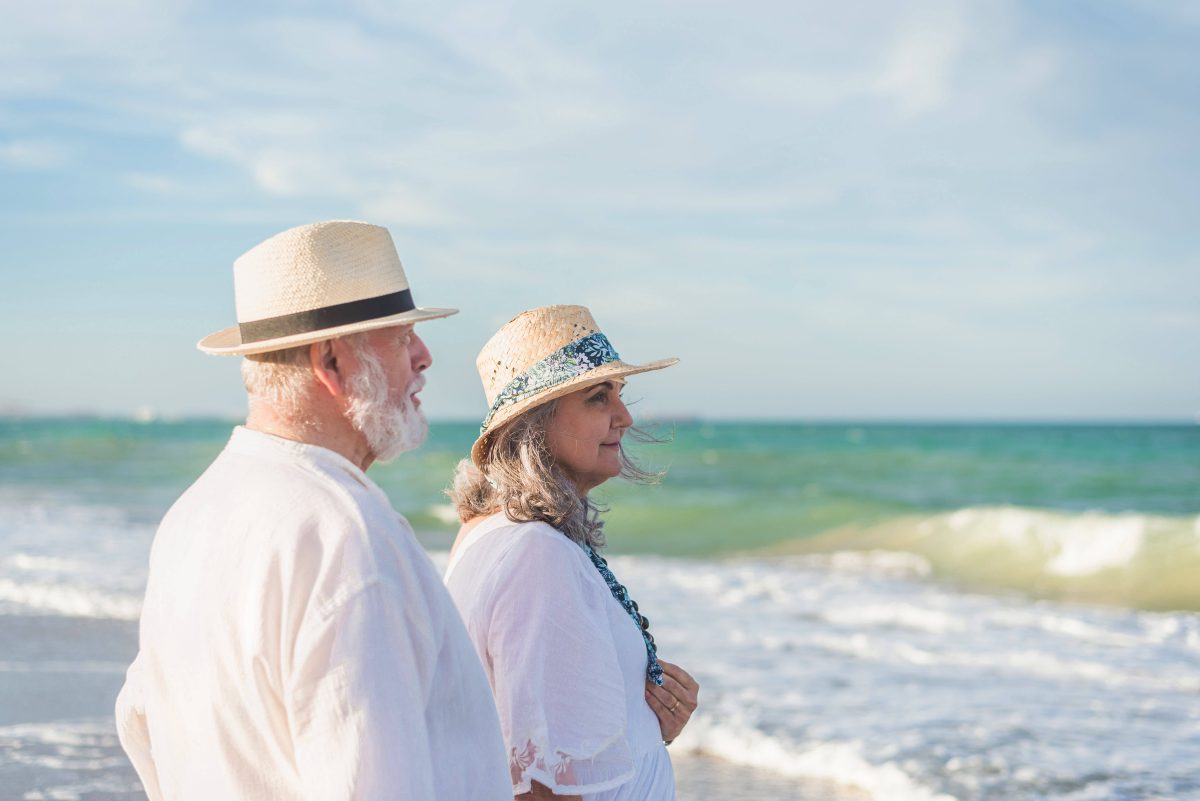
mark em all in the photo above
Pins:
pixel 323 358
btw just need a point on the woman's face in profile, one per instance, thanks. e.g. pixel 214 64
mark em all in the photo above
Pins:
pixel 584 435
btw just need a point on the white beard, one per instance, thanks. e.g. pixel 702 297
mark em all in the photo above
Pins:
pixel 390 428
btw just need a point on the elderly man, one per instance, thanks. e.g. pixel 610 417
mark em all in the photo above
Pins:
pixel 296 642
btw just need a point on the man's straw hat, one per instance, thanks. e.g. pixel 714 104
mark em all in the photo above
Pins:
pixel 316 282
pixel 540 355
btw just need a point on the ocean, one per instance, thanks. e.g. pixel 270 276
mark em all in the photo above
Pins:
pixel 889 612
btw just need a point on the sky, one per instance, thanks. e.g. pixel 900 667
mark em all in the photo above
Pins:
pixel 904 211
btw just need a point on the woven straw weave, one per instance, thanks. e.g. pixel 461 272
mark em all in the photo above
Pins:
pixel 523 342
pixel 527 339
pixel 314 266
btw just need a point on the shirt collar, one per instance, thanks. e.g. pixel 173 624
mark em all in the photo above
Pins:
pixel 268 446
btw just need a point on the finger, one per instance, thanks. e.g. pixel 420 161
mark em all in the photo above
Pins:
pixel 672 693
pixel 679 675
pixel 662 694
pixel 672 669
pixel 674 687
pixel 678 690
pixel 689 684
pixel 659 708
pixel 670 704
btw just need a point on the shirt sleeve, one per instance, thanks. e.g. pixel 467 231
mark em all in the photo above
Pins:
pixel 134 732
pixel 358 695
pixel 557 681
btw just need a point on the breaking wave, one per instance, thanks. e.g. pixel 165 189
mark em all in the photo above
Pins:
pixel 1136 560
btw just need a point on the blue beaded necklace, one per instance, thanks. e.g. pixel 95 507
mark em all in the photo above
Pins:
pixel 654 670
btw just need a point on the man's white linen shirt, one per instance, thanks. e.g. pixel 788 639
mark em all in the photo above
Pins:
pixel 297 643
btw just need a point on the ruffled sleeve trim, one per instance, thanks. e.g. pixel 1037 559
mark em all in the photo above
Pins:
pixel 558 775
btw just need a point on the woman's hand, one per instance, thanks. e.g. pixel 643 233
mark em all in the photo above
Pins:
pixel 675 701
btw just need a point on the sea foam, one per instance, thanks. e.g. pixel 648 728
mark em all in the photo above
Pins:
pixel 67 558
pixel 841 763
pixel 910 689
pixel 65 599
pixel 1138 560
pixel 66 761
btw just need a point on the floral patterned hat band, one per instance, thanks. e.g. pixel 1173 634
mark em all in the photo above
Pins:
pixel 569 361
pixel 540 355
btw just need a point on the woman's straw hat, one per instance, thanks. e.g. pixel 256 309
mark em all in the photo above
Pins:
pixel 316 282
pixel 540 355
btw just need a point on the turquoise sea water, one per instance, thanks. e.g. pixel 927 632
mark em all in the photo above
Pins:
pixel 1038 506
pixel 893 608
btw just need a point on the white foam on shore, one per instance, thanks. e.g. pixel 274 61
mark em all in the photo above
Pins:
pixel 1185 631
pixel 841 763
pixel 895 564
pixel 77 733
pixel 908 689
pixel 1027 662
pixel 73 760
pixel 68 600
pixel 61 557
pixel 32 563
pixel 1062 624
pixel 905 615
pixel 61 666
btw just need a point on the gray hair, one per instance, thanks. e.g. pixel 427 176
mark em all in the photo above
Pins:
pixel 284 379
pixel 521 478
pixel 281 378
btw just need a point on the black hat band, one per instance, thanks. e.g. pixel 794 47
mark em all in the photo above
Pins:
pixel 305 322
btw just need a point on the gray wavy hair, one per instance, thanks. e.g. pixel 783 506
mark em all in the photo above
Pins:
pixel 523 480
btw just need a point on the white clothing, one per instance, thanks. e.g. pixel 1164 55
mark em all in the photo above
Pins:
pixel 566 663
pixel 296 643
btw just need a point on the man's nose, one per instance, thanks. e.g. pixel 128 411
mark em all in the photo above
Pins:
pixel 421 357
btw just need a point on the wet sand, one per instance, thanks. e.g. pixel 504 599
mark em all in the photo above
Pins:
pixel 701 778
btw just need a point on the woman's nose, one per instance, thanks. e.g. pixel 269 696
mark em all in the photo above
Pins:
pixel 623 418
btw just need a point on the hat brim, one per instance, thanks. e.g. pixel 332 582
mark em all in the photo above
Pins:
pixel 228 341
pixel 605 372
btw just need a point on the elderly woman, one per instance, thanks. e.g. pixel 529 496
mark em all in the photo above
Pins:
pixel 586 706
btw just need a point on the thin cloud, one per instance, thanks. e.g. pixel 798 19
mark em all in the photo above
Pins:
pixel 33 154
pixel 918 73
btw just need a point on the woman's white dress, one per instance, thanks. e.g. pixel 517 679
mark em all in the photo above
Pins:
pixel 566 663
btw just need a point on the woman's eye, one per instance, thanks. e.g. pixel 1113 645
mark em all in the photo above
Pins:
pixel 598 398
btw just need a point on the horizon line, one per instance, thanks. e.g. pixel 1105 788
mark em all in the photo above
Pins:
pixel 682 419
